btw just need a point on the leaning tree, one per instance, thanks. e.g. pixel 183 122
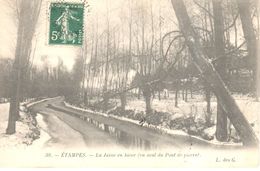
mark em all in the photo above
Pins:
pixel 212 77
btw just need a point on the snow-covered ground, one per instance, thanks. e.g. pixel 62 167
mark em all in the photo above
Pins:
pixel 197 106
pixel 14 151
pixel 11 141
pixel 194 107
pixel 22 138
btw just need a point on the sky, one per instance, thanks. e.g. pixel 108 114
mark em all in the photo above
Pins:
pixel 8 33
pixel 98 10
pixel 68 53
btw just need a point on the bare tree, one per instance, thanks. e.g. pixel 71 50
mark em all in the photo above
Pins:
pixel 221 128
pixel 105 90
pixel 208 72
pixel 27 14
pixel 250 37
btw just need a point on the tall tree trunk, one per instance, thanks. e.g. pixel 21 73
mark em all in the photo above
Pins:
pixel 208 116
pixel 84 90
pixel 221 128
pixel 105 93
pixel 186 94
pixel 176 95
pixel 15 97
pixel 128 60
pixel 16 81
pixel 208 72
pixel 147 97
pixel 250 37
pixel 183 92
pixel 258 71
pixel 139 93
pixel 123 100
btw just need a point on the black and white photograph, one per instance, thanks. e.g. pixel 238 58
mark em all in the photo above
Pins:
pixel 129 83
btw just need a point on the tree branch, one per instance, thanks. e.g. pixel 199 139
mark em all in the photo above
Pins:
pixel 206 10
pixel 168 49
pixel 233 23
pixel 167 34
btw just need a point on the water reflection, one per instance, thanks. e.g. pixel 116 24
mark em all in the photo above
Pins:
pixel 123 138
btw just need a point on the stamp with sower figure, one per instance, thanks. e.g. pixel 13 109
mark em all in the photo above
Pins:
pixel 66 24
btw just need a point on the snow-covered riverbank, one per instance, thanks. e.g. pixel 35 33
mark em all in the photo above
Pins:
pixel 28 133
pixel 188 118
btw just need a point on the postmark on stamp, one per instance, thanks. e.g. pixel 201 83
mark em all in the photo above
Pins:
pixel 66 23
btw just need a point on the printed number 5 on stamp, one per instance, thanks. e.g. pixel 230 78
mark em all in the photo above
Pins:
pixel 66 24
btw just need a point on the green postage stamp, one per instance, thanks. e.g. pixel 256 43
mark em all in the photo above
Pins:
pixel 66 24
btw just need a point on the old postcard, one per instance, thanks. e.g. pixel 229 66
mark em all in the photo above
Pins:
pixel 129 83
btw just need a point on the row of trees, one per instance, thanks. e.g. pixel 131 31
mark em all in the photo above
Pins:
pixel 156 64
pixel 154 59
pixel 141 50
